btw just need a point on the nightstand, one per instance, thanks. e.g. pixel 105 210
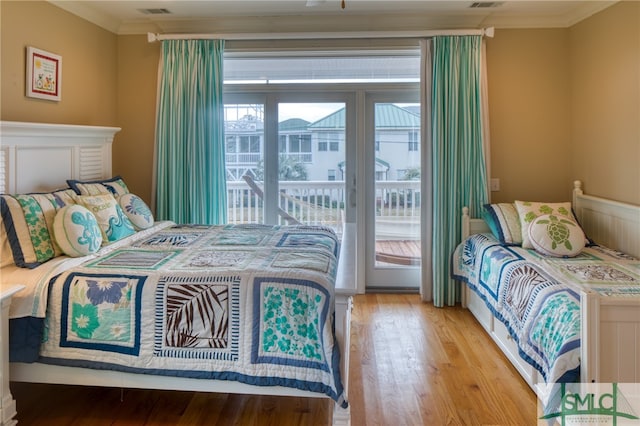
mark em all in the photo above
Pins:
pixel 7 403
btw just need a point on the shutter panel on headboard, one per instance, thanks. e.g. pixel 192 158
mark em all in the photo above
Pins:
pixel 38 157
pixel 91 163
pixel 3 170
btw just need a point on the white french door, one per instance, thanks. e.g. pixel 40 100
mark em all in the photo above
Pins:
pixel 360 155
pixel 392 167
pixel 286 157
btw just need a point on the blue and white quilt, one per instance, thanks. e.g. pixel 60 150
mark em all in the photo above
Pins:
pixel 250 303
pixel 538 297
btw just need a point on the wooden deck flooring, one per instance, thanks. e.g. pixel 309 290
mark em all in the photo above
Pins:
pixel 399 252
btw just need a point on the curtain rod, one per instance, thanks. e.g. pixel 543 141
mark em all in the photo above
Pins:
pixel 488 32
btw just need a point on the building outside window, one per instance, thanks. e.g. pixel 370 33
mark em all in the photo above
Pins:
pixel 414 141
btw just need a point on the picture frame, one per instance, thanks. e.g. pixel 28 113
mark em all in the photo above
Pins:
pixel 44 75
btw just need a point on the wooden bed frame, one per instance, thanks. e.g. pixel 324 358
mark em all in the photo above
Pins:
pixel 610 339
pixel 37 157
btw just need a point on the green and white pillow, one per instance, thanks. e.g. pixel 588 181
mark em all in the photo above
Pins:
pixel 556 235
pixel 112 221
pixel 528 211
pixel 26 234
pixel 77 232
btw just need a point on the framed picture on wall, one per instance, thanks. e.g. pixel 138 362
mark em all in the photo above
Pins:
pixel 44 74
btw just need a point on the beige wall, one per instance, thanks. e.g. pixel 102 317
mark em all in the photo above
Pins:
pixel 564 103
pixel 89 65
pixel 605 102
pixel 137 86
pixel 529 112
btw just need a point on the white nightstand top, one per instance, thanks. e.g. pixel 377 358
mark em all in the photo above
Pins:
pixel 8 290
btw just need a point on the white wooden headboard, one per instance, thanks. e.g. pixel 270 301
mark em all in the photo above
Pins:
pixel 609 223
pixel 40 157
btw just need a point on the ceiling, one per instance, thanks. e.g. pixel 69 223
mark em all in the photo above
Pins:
pixel 237 16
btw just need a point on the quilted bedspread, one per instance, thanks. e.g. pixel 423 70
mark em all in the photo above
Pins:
pixel 251 303
pixel 538 297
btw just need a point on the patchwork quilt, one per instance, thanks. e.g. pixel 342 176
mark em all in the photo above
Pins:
pixel 250 303
pixel 538 297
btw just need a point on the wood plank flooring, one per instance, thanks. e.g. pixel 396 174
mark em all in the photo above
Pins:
pixel 411 364
pixel 398 252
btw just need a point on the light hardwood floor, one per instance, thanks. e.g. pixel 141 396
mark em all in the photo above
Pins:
pixel 411 364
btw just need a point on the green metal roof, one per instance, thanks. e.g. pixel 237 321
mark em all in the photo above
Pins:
pixel 332 121
pixel 394 117
pixel 293 124
pixel 388 116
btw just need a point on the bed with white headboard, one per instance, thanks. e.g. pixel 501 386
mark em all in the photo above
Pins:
pixel 610 325
pixel 39 157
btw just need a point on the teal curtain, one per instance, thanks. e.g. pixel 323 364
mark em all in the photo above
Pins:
pixel 190 169
pixel 458 166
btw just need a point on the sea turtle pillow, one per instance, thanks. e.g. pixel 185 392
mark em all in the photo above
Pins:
pixel 112 221
pixel 556 235
pixel 528 211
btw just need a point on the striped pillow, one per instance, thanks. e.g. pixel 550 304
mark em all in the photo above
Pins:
pixel 114 186
pixel 504 222
pixel 26 234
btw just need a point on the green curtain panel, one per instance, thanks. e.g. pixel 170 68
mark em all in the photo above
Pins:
pixel 458 166
pixel 190 169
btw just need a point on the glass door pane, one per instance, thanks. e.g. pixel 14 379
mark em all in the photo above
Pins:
pixel 311 163
pixel 395 169
pixel 244 155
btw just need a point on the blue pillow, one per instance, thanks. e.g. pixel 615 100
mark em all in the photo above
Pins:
pixel 114 186
pixel 504 222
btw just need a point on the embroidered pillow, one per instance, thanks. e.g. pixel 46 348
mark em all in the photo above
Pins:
pixel 77 232
pixel 114 186
pixel 136 210
pixel 504 222
pixel 556 235
pixel 112 221
pixel 528 211
pixel 27 227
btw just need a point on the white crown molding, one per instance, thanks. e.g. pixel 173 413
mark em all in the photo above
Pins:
pixel 333 22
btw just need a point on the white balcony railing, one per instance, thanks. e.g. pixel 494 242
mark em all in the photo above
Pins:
pixel 322 202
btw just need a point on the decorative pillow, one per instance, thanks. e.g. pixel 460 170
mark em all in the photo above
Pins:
pixel 114 186
pixel 27 226
pixel 556 235
pixel 528 211
pixel 111 219
pixel 77 232
pixel 136 210
pixel 504 222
